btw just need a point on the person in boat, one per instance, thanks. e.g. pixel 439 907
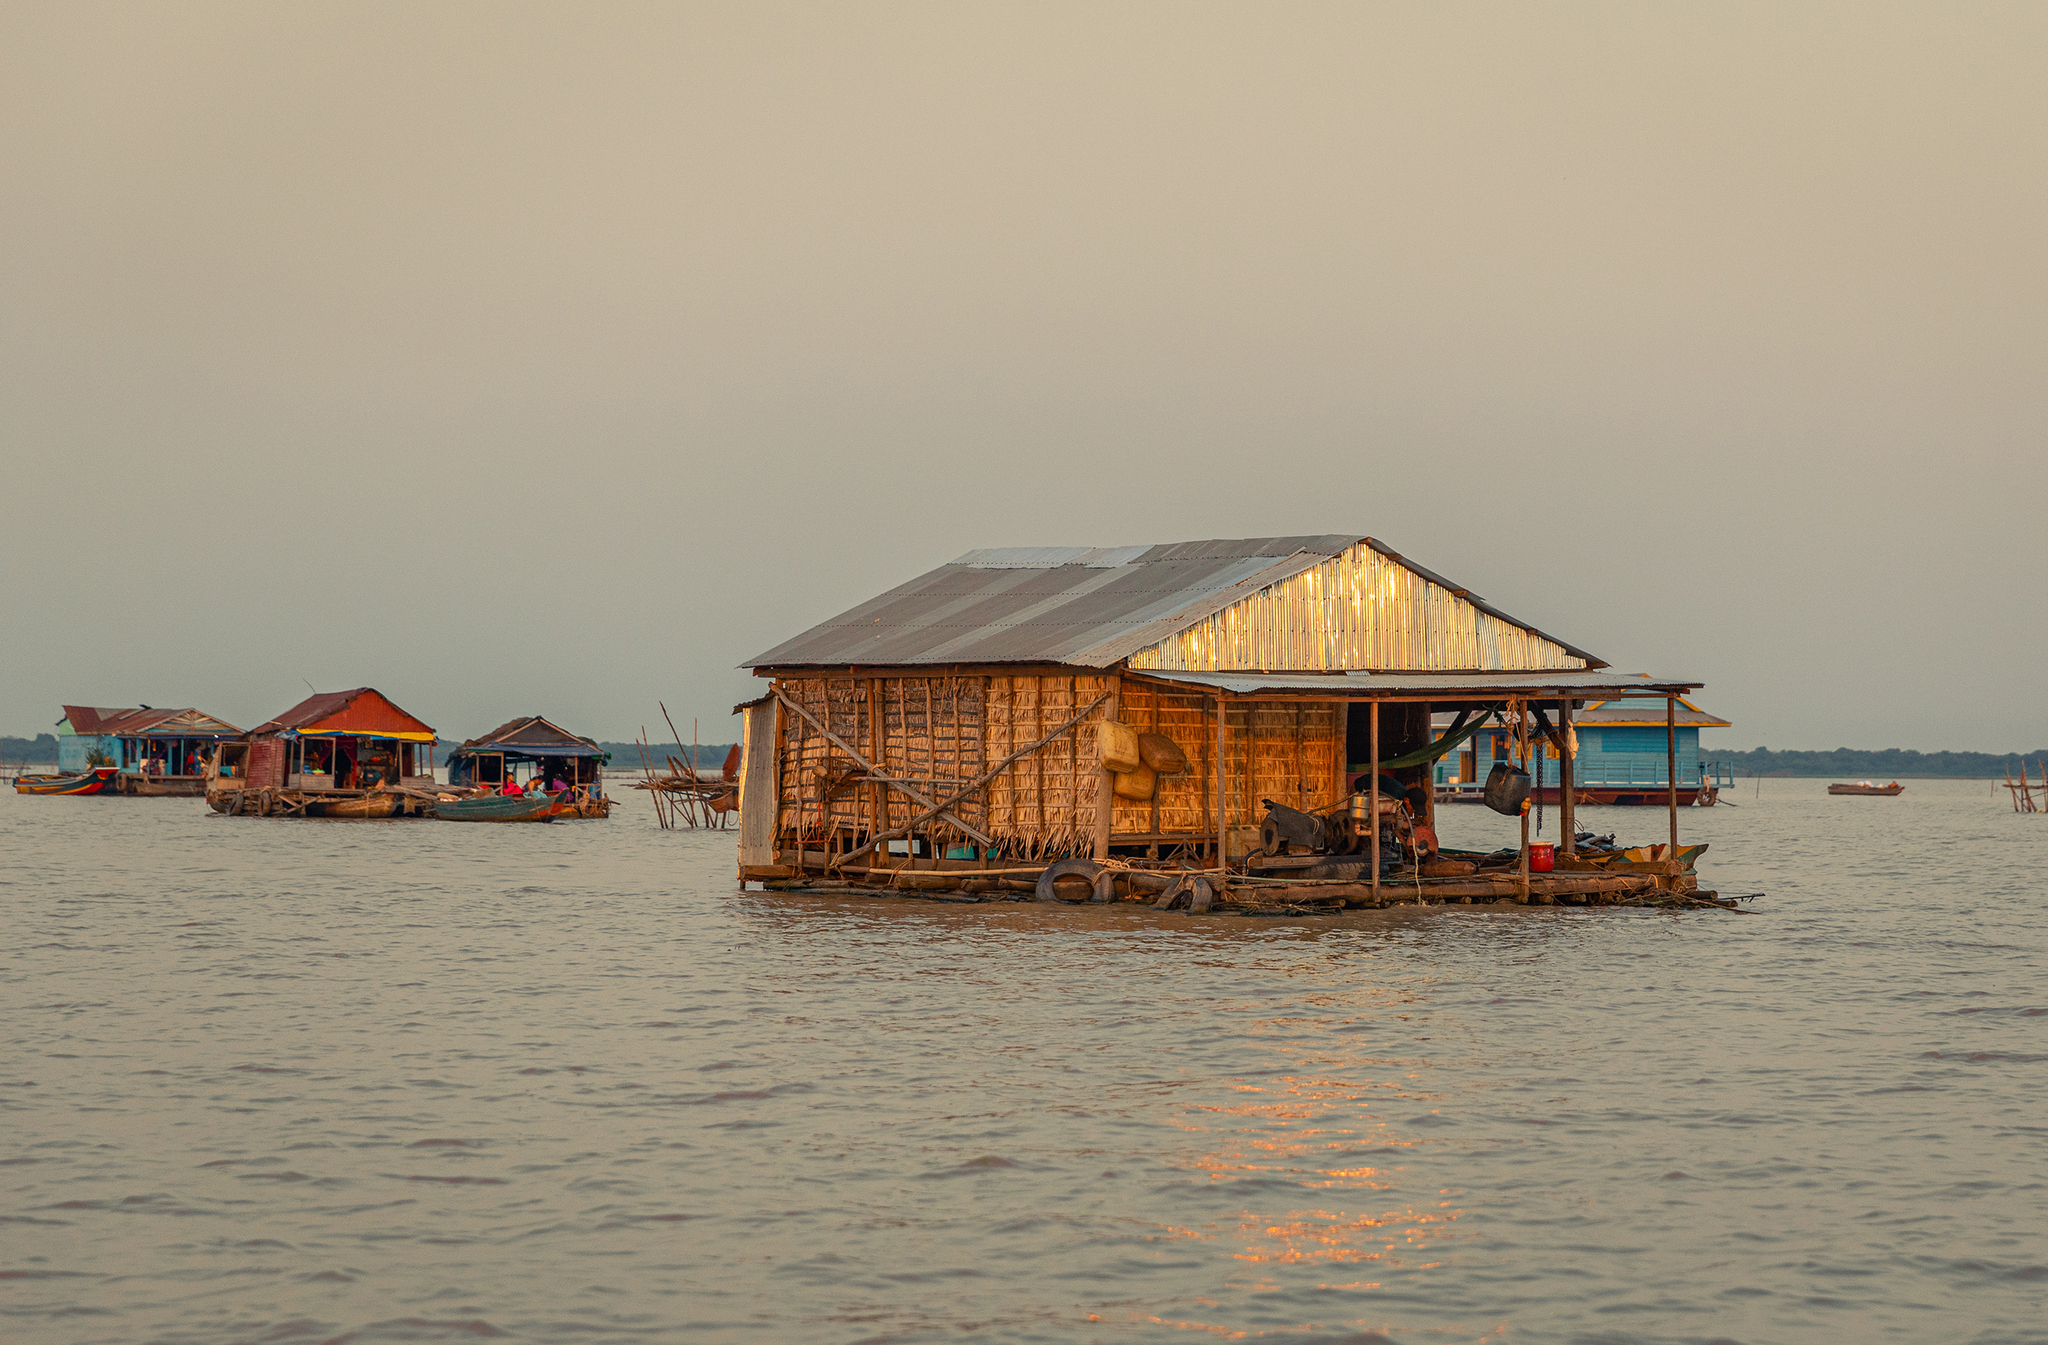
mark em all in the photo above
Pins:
pixel 510 789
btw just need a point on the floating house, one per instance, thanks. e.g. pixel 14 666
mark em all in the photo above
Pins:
pixel 1622 757
pixel 334 754
pixel 952 731
pixel 155 752
pixel 533 752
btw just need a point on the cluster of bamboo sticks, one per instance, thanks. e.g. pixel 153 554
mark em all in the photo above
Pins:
pixel 684 796
pixel 2028 796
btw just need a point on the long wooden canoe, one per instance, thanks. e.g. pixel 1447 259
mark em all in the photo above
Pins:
pixel 1891 790
pixel 366 805
pixel 496 808
pixel 86 782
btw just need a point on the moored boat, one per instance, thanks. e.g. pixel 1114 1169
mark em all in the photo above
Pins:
pixel 362 806
pixel 1868 788
pixel 501 808
pixel 537 755
pixel 90 781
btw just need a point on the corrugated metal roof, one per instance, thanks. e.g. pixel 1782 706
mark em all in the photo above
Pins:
pixel 1084 606
pixel 1647 710
pixel 326 705
pixel 91 720
pixel 532 733
pixel 1577 683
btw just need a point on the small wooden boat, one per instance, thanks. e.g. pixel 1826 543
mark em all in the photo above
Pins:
pixel 1866 787
pixel 367 805
pixel 584 802
pixel 500 808
pixel 85 782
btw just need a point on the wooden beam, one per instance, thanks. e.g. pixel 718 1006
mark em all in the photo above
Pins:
pixel 876 774
pixel 1374 819
pixel 938 809
pixel 1671 768
pixel 1567 817
pixel 1528 759
pixel 1222 785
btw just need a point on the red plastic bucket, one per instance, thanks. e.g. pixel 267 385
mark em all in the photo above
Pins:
pixel 1542 857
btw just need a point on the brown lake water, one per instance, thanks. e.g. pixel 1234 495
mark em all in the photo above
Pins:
pixel 291 1082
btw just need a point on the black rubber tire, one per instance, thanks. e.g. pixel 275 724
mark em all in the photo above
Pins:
pixel 1068 868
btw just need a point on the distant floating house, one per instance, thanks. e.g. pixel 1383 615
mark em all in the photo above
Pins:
pixel 535 752
pixel 973 717
pixel 1623 755
pixel 158 752
pixel 335 754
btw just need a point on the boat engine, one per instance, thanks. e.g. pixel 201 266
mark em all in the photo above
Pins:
pixel 1286 828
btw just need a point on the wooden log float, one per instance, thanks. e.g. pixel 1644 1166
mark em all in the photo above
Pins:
pixel 1659 882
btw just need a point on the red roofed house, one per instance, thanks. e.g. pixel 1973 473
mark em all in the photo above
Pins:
pixel 326 756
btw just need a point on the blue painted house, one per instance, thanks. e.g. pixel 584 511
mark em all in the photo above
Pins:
pixel 158 751
pixel 1622 755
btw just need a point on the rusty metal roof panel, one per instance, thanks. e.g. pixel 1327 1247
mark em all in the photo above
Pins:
pixel 1577 683
pixel 140 721
pixel 1083 606
pixel 1031 605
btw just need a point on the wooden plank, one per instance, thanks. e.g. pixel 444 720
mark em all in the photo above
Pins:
pixel 758 805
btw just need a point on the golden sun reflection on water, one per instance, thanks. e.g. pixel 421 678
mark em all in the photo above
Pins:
pixel 1315 1131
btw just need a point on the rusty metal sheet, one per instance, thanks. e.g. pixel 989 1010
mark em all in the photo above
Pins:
pixel 1578 683
pixel 993 613
pixel 1095 607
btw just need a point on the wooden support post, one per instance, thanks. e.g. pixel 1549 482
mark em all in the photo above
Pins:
pixel 1671 768
pixel 1105 785
pixel 1222 786
pixel 1374 807
pixel 878 794
pixel 1528 759
pixel 1567 817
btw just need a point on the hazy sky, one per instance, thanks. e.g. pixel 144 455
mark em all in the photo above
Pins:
pixel 556 358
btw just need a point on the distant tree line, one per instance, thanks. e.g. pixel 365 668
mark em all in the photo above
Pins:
pixel 626 756
pixel 1892 763
pixel 40 749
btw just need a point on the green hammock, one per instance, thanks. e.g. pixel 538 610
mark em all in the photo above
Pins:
pixel 1456 734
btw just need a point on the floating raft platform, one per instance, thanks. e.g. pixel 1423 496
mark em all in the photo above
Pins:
pixel 1663 883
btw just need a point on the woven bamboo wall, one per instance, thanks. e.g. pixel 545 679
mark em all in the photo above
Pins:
pixel 1045 804
pixel 942 732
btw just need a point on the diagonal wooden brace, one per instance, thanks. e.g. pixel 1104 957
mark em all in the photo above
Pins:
pixel 875 773
pixel 962 792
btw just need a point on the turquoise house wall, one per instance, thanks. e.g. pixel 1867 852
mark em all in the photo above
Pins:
pixel 1633 756
pixel 74 748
